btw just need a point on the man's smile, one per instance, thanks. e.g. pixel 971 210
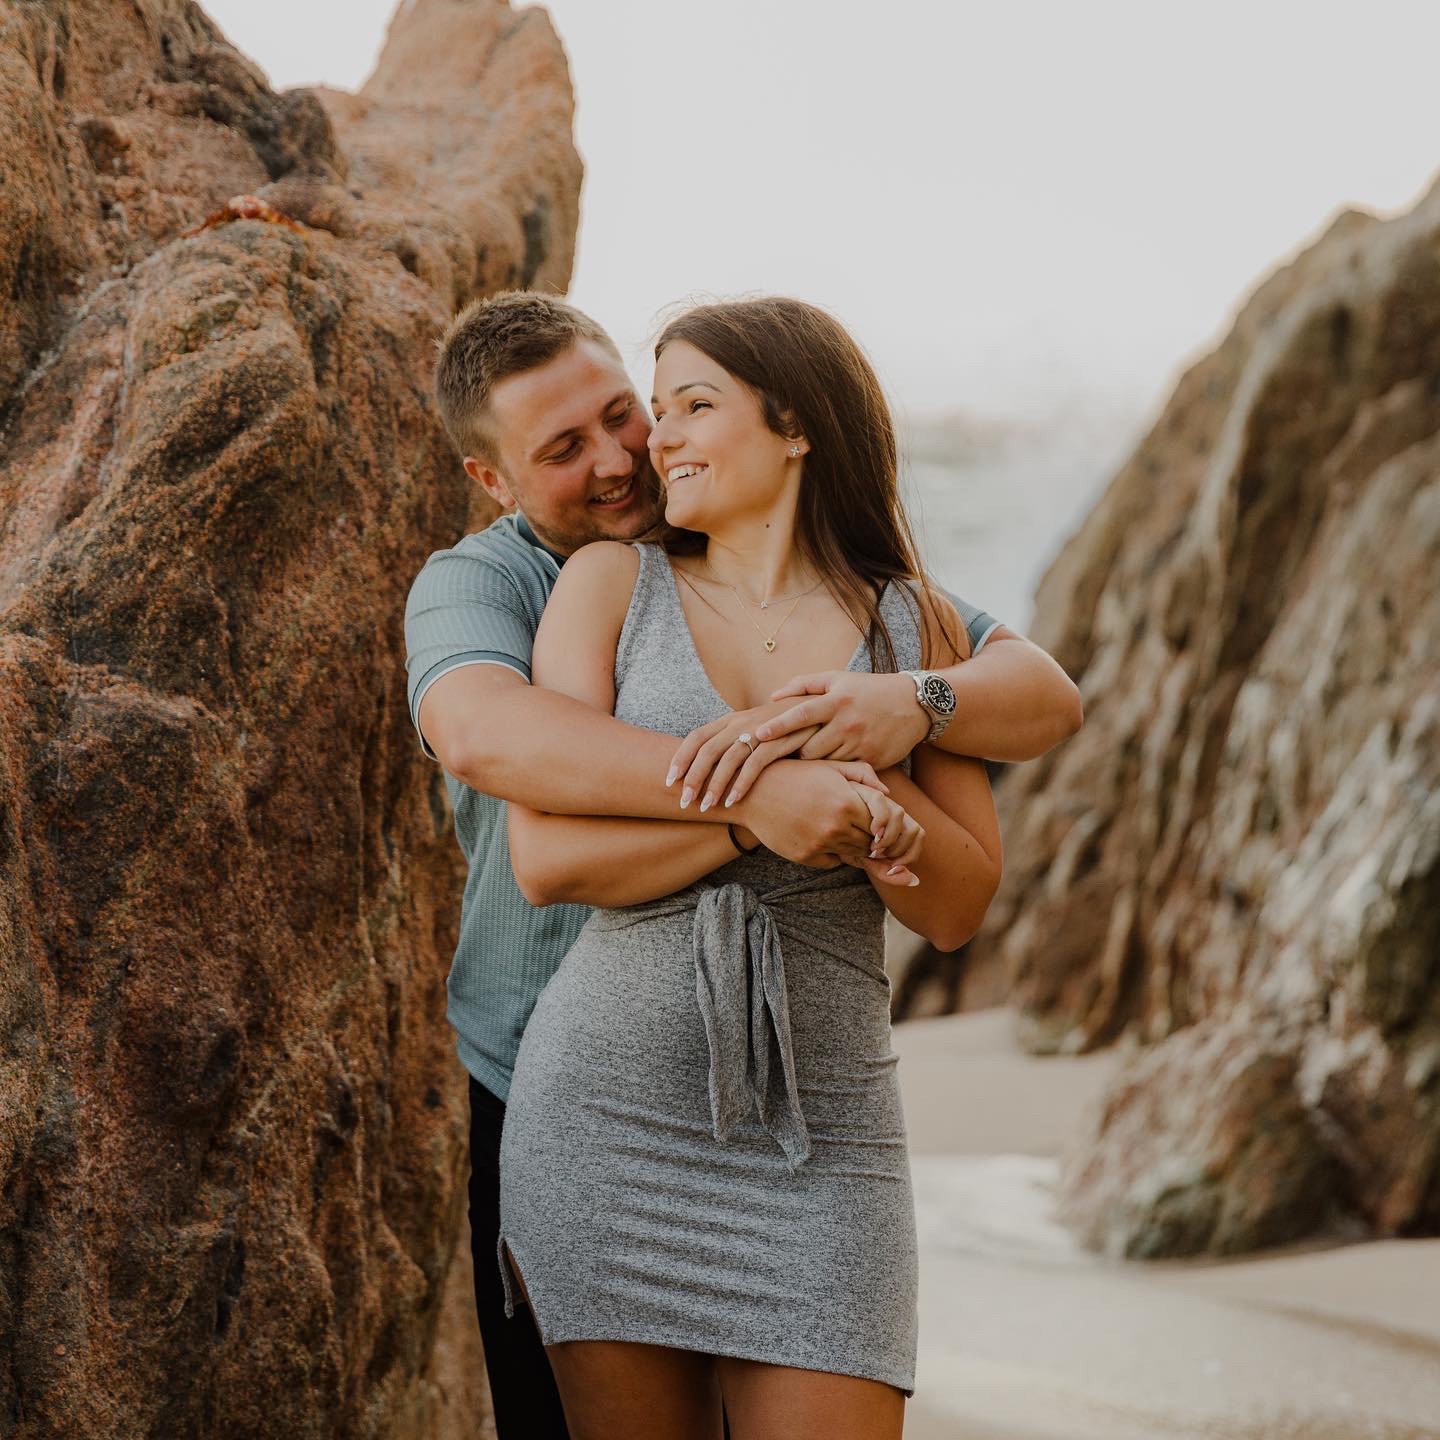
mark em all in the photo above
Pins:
pixel 618 496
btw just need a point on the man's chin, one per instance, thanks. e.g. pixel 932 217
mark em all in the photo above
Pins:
pixel 632 522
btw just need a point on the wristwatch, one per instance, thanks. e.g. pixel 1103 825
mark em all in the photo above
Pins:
pixel 936 697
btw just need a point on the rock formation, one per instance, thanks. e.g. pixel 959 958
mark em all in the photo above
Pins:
pixel 1237 862
pixel 231 1123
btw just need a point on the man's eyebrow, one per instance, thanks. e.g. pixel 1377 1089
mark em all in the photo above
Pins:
pixel 681 389
pixel 560 435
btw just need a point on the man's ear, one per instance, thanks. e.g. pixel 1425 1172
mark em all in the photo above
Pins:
pixel 490 480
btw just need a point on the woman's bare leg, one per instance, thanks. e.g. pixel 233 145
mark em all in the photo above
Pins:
pixel 775 1402
pixel 614 1390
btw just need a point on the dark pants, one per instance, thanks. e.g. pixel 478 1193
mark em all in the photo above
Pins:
pixel 522 1386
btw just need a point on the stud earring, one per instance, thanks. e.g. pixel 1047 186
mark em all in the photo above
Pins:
pixel 794 451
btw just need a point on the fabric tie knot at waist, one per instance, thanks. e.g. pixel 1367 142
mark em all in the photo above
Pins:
pixel 740 984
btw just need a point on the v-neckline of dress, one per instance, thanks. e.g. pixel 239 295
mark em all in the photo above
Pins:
pixel 695 649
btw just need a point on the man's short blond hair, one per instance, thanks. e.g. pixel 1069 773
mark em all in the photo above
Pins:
pixel 492 339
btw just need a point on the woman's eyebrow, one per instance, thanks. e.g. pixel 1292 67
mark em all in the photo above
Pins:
pixel 681 389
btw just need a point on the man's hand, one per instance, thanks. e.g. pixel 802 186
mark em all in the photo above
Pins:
pixel 830 814
pixel 850 715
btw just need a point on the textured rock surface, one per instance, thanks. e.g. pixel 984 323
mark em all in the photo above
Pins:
pixel 231 1123
pixel 1239 857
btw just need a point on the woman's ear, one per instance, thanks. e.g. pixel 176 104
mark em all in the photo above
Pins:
pixel 796 444
pixel 788 428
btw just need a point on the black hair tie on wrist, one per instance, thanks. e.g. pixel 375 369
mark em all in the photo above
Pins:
pixel 735 841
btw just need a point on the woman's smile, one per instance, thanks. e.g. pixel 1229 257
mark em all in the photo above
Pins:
pixel 684 472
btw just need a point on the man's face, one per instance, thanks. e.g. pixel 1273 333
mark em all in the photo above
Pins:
pixel 572 438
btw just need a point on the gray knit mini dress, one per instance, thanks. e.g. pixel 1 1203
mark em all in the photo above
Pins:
pixel 704 1146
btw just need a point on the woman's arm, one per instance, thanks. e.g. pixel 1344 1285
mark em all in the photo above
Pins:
pixel 960 864
pixel 602 860
pixel 588 859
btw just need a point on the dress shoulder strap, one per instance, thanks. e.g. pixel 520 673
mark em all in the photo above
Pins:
pixel 900 610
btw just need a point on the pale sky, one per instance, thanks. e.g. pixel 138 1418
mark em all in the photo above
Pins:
pixel 1014 206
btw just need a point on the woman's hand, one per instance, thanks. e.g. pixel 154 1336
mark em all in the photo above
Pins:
pixel 717 764
pixel 896 840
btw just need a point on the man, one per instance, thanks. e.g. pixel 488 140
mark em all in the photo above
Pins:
pixel 539 405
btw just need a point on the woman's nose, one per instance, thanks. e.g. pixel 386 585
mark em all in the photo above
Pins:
pixel 661 437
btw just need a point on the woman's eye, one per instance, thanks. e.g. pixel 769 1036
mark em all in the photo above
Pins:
pixel 695 405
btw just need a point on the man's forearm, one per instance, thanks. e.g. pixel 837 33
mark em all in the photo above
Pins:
pixel 550 752
pixel 1012 703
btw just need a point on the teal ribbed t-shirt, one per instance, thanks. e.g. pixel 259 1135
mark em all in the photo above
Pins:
pixel 479 603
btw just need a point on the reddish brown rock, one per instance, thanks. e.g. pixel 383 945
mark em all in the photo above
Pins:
pixel 232 1151
pixel 1241 851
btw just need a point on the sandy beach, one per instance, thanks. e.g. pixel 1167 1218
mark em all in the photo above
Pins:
pixel 1024 1336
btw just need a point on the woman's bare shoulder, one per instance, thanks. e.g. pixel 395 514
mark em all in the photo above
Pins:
pixel 601 573
pixel 604 559
pixel 580 629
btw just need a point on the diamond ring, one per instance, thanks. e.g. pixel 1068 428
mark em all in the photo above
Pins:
pixel 744 737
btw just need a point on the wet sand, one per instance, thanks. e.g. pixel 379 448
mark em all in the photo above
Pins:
pixel 1023 1336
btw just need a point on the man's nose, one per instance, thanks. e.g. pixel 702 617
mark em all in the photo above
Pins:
pixel 613 458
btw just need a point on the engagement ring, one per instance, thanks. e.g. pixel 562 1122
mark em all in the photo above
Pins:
pixel 745 737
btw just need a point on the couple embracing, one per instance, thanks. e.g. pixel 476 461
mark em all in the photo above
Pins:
pixel 704 720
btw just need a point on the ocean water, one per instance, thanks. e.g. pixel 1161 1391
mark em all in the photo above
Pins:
pixel 992 506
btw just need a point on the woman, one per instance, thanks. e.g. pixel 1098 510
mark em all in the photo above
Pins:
pixel 706 1189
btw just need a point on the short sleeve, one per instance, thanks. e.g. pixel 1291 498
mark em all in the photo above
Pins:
pixel 464 609
pixel 978 625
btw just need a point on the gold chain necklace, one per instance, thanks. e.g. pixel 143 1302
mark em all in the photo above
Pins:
pixel 770 638
pixel 762 604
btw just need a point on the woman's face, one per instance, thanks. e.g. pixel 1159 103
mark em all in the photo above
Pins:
pixel 718 459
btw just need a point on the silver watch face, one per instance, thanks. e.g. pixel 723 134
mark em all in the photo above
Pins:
pixel 937 696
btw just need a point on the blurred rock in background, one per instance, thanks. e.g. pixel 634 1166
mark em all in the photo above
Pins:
pixel 232 1154
pixel 1237 862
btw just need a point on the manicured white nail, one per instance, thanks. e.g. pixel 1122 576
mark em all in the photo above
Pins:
pixel 894 869
pixel 730 799
pixel 686 796
pixel 706 803
pixel 914 881
pixel 673 776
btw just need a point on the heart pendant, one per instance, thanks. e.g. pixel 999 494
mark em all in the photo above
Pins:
pixel 769 644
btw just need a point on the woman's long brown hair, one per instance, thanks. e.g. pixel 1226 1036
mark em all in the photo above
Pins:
pixel 814 381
